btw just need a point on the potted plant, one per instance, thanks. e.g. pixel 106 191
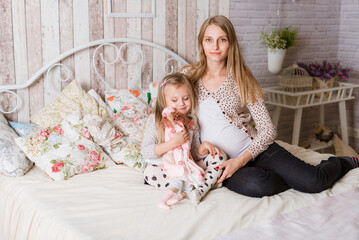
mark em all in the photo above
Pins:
pixel 325 73
pixel 277 42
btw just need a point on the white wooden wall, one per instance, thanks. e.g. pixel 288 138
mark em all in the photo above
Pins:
pixel 34 32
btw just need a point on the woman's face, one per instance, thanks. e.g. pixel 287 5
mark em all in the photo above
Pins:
pixel 215 44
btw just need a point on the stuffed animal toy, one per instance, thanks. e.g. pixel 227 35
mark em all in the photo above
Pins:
pixel 178 162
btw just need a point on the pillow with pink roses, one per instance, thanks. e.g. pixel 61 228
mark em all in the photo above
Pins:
pixel 64 150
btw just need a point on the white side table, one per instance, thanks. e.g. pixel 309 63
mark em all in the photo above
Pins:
pixel 299 100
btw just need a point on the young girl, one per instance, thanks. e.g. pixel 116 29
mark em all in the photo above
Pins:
pixel 176 91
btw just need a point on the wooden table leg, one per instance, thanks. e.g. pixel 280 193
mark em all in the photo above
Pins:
pixel 321 112
pixel 296 127
pixel 276 115
pixel 343 121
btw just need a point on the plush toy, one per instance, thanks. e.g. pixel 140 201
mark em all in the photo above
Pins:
pixel 323 134
pixel 178 162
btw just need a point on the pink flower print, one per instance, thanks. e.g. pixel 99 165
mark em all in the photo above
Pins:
pixel 118 135
pixel 200 178
pixel 43 135
pixel 95 157
pixel 86 133
pixel 57 166
pixel 155 83
pixel 115 116
pixel 180 148
pixel 125 108
pixel 180 163
pixel 125 124
pixel 87 167
pixel 135 119
pixel 59 130
pixel 148 111
pixel 173 131
pixel 81 147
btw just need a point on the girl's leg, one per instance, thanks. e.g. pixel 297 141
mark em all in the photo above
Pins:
pixel 211 175
pixel 172 195
pixel 186 188
pixel 155 176
pixel 300 175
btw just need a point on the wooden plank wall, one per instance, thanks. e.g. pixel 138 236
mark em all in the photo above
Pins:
pixel 34 32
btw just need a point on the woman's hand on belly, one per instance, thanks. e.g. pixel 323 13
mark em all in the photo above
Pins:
pixel 233 165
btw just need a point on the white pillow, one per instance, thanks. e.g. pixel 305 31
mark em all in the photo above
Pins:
pixel 343 149
pixel 153 90
pixel 13 161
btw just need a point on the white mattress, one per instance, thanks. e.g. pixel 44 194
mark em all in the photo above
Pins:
pixel 115 204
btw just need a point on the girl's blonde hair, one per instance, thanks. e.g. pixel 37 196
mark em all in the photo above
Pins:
pixel 174 79
pixel 249 88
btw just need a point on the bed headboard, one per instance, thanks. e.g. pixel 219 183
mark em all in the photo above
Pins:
pixel 141 61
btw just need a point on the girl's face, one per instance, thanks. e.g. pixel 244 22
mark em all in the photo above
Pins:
pixel 178 97
pixel 215 44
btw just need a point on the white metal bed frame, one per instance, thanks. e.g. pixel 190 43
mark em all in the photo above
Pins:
pixel 99 43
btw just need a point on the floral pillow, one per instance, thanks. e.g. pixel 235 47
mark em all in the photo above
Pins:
pixel 116 98
pixel 140 94
pixel 131 156
pixel 64 150
pixel 13 162
pixel 120 149
pixel 131 114
pixel 72 98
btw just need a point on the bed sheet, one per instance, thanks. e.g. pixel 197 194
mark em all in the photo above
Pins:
pixel 114 203
pixel 331 218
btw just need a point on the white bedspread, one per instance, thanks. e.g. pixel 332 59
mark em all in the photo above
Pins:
pixel 330 218
pixel 115 204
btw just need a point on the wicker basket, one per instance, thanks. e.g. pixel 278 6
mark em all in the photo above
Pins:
pixel 295 79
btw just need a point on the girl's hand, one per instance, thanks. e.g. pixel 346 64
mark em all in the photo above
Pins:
pixel 208 147
pixel 179 138
pixel 233 165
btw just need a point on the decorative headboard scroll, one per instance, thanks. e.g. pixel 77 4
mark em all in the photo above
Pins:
pixel 128 43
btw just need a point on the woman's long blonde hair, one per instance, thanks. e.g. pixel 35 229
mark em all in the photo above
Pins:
pixel 249 89
pixel 174 79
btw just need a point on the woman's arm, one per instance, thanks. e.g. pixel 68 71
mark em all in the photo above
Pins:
pixel 266 132
pixel 233 165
